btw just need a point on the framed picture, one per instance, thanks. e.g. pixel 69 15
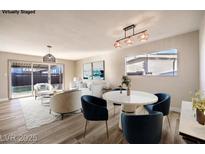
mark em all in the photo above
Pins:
pixel 98 70
pixel 87 71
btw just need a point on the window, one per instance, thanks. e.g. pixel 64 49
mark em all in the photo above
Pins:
pixel 162 63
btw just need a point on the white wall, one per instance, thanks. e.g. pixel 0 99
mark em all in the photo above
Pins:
pixel 180 87
pixel 4 76
pixel 202 53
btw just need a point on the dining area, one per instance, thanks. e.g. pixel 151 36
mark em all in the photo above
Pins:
pixel 140 118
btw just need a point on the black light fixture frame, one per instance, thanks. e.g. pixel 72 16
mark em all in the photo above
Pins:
pixel 133 32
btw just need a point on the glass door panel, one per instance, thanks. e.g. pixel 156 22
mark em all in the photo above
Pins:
pixel 40 73
pixel 56 72
pixel 21 79
pixel 24 75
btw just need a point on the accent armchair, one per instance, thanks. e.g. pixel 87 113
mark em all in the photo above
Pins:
pixel 42 89
pixel 162 105
pixel 142 129
pixel 66 102
pixel 94 109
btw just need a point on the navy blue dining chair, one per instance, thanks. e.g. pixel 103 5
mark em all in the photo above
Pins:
pixel 162 105
pixel 142 129
pixel 116 104
pixel 94 109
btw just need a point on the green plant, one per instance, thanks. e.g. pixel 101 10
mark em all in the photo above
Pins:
pixel 198 101
pixel 126 81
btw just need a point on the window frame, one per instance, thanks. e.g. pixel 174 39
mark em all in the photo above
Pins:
pixel 150 52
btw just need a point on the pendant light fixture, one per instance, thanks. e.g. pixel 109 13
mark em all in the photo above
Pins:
pixel 142 36
pixel 49 58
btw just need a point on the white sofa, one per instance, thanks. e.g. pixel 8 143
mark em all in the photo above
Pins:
pixel 91 87
pixel 66 102
pixel 94 87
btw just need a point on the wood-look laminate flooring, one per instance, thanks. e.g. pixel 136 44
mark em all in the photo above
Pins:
pixel 71 129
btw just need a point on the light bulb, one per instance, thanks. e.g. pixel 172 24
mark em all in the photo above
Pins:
pixel 129 41
pixel 117 44
pixel 144 37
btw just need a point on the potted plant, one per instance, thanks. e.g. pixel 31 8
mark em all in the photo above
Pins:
pixel 126 81
pixel 198 103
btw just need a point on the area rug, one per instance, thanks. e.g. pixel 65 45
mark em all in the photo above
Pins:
pixel 35 113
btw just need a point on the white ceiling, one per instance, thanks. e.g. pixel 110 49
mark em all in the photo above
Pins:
pixel 79 34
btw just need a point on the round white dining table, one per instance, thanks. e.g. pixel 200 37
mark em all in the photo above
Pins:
pixel 133 104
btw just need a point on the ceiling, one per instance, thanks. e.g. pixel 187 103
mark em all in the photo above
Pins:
pixel 80 34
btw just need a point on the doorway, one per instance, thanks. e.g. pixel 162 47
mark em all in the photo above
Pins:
pixel 24 75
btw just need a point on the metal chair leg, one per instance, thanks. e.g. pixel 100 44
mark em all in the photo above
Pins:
pixel 85 127
pixel 107 130
pixel 168 121
pixel 114 110
pixel 62 115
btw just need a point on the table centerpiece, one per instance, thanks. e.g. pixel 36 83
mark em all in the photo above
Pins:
pixel 198 103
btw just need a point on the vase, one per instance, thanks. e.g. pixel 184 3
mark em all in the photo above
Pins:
pixel 120 90
pixel 200 117
pixel 128 91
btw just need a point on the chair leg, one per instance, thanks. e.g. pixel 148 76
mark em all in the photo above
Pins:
pixel 85 127
pixel 62 116
pixel 50 111
pixel 168 121
pixel 114 110
pixel 107 129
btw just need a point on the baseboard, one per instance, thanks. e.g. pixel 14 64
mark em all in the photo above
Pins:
pixel 175 109
pixel 4 99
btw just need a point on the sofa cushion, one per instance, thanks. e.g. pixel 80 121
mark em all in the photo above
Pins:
pixel 45 92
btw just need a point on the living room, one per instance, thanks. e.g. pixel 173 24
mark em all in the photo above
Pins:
pixel 123 58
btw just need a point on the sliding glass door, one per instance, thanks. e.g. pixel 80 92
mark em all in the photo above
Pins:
pixel 21 75
pixel 40 73
pixel 56 73
pixel 24 75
